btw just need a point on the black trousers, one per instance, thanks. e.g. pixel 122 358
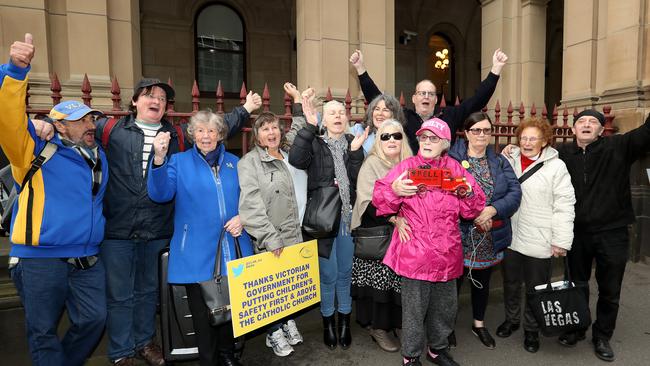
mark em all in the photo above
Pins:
pixel 211 340
pixel 610 249
pixel 518 269
pixel 480 296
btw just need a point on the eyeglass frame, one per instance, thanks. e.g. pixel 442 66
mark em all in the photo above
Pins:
pixel 424 93
pixel 431 138
pixel 477 131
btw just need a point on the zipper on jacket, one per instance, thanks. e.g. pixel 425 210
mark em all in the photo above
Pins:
pixel 221 203
pixel 184 237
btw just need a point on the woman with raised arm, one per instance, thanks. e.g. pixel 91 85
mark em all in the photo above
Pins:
pixel 331 160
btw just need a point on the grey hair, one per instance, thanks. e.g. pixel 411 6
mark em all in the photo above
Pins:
pixel 446 144
pixel 211 118
pixel 331 104
pixel 391 103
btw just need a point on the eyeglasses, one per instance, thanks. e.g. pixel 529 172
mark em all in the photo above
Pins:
pixel 430 138
pixel 395 135
pixel 161 99
pixel 529 139
pixel 477 131
pixel 425 93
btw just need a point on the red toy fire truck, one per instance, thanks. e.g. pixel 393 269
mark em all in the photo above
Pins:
pixel 427 178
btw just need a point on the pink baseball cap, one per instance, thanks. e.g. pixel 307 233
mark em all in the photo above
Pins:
pixel 437 126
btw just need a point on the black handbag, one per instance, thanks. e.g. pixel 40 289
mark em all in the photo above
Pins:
pixel 372 242
pixel 323 213
pixel 560 307
pixel 215 291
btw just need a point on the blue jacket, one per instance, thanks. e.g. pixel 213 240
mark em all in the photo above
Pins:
pixel 130 214
pixel 64 217
pixel 204 203
pixel 506 196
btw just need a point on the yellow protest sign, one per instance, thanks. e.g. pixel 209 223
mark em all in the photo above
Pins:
pixel 265 288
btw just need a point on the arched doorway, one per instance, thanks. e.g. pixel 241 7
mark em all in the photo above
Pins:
pixel 440 65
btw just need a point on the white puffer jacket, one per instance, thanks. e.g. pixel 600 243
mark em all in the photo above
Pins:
pixel 546 213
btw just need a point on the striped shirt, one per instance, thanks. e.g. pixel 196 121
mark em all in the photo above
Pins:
pixel 150 131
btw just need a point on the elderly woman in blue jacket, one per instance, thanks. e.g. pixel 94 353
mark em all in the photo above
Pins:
pixel 203 181
pixel 485 238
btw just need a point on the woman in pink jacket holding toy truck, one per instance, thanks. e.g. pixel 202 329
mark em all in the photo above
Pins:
pixel 429 254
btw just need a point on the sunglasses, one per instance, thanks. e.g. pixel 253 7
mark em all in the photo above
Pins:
pixel 477 131
pixel 395 135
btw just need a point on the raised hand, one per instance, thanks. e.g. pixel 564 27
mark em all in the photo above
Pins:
pixel 160 147
pixel 253 102
pixel 292 91
pixel 404 187
pixel 498 61
pixel 21 53
pixel 43 129
pixel 356 59
pixel 309 111
pixel 359 139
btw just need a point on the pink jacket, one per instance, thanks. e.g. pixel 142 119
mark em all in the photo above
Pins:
pixel 434 252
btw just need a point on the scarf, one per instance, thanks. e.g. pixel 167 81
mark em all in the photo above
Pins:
pixel 373 168
pixel 339 148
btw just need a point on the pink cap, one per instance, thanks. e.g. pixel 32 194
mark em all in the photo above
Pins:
pixel 437 126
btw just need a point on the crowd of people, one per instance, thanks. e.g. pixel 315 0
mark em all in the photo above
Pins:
pixel 92 220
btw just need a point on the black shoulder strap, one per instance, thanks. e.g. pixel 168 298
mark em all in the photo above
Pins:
pixel 46 153
pixel 529 173
pixel 43 156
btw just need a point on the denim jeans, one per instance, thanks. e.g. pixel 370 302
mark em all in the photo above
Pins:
pixel 336 274
pixel 48 285
pixel 132 293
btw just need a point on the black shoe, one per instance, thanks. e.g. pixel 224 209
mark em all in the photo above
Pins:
pixel 443 358
pixel 452 340
pixel 484 336
pixel 329 333
pixel 506 328
pixel 228 359
pixel 603 350
pixel 571 339
pixel 345 336
pixel 531 341
pixel 411 361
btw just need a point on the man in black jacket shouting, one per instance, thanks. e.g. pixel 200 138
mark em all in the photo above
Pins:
pixel 425 98
pixel 600 173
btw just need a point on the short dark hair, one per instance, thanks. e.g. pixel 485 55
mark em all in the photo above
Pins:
pixel 475 118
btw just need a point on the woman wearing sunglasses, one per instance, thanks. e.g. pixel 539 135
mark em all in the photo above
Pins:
pixel 429 257
pixel 485 237
pixel 375 287
pixel 382 108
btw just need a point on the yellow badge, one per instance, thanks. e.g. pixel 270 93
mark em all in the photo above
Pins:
pixel 465 164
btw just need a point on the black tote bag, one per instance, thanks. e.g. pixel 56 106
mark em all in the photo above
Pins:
pixel 323 213
pixel 563 308
pixel 215 291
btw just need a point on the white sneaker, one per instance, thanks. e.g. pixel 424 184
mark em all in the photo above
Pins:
pixel 291 333
pixel 278 342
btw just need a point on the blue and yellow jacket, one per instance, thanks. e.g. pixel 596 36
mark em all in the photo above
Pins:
pixel 64 218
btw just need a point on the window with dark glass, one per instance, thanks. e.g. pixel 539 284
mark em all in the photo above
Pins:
pixel 220 49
